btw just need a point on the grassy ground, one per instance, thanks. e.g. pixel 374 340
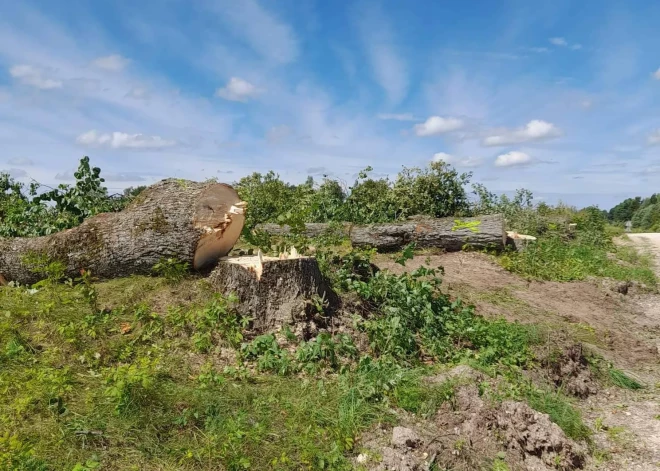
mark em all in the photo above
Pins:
pixel 554 259
pixel 151 373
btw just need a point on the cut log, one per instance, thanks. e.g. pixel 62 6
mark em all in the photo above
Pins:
pixel 193 222
pixel 450 234
pixel 276 291
pixel 313 229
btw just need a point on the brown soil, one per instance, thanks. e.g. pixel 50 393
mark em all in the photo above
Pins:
pixel 622 328
pixel 611 323
pixel 472 433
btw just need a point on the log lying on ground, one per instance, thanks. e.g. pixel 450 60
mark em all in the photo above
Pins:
pixel 274 291
pixel 193 222
pixel 450 234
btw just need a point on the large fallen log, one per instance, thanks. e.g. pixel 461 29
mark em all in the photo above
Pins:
pixel 273 291
pixel 450 234
pixel 193 222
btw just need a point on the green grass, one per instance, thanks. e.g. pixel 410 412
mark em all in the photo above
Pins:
pixel 130 389
pixel 561 412
pixel 135 374
pixel 557 260
pixel 620 379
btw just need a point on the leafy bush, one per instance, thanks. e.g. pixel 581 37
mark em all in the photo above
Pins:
pixel 35 213
pixel 437 190
pixel 410 318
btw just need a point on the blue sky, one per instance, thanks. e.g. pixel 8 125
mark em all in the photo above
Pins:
pixel 560 97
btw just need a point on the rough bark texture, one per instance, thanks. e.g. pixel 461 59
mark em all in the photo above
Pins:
pixel 313 229
pixel 169 219
pixel 487 231
pixel 279 293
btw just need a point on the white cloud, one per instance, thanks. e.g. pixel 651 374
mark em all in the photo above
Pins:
pixel 396 117
pixel 122 140
pixel 535 130
pixel 238 89
pixel 438 125
pixel 468 162
pixel 656 74
pixel 113 62
pixel 21 162
pixel 558 41
pixel 34 77
pixel 513 159
pixel 654 138
pixel 539 49
pixel 576 47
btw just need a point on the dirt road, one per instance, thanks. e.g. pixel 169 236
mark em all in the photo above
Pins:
pixel 649 242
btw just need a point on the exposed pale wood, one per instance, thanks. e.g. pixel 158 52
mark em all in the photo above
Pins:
pixel 274 291
pixel 193 222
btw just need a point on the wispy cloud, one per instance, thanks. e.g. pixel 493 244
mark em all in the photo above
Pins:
pixel 388 67
pixel 539 50
pixel 562 42
pixel 558 41
pixel 656 74
pixel 535 130
pixel 138 93
pixel 16 172
pixel 653 139
pixel 21 162
pixel 259 28
pixel 277 133
pixel 397 117
pixel 113 63
pixel 122 140
pixel 35 77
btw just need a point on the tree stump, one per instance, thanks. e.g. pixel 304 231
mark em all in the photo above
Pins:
pixel 193 222
pixel 276 291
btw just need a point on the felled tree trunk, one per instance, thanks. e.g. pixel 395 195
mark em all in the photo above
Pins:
pixel 193 222
pixel 274 292
pixel 450 234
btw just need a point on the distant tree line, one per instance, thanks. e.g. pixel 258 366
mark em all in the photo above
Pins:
pixel 644 213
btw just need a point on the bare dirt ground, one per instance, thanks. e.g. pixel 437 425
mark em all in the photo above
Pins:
pixel 624 329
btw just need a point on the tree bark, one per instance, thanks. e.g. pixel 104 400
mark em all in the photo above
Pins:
pixel 275 292
pixel 450 234
pixel 193 222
